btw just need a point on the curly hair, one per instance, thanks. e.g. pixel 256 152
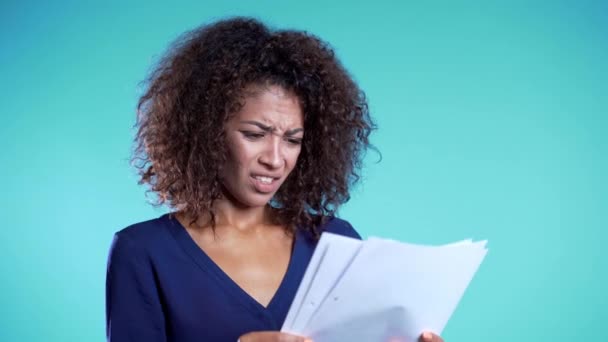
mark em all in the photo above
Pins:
pixel 200 82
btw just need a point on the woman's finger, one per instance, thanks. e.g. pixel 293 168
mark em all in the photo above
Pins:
pixel 428 336
pixel 272 336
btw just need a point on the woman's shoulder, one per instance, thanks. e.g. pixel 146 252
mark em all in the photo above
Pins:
pixel 144 235
pixel 145 230
pixel 339 226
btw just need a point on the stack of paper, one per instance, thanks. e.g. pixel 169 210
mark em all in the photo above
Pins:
pixel 378 289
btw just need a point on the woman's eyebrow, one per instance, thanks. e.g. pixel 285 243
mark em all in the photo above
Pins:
pixel 293 131
pixel 260 125
pixel 271 129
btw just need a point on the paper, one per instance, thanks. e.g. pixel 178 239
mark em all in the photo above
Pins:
pixel 379 289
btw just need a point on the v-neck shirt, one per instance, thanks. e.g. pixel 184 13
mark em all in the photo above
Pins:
pixel 161 286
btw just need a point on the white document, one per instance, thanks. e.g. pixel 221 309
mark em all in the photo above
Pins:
pixel 326 267
pixel 376 289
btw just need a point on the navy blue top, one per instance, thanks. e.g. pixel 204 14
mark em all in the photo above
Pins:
pixel 161 286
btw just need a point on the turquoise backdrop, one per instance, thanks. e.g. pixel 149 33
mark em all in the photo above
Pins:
pixel 492 124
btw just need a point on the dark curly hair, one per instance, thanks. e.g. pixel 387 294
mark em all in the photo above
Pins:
pixel 200 82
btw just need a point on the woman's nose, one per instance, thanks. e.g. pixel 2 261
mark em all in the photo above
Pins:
pixel 272 155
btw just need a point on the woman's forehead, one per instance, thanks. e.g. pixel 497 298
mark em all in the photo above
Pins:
pixel 271 105
pixel 257 90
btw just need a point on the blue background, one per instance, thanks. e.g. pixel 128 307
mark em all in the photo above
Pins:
pixel 492 124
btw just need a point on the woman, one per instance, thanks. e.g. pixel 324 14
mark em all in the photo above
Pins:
pixel 253 137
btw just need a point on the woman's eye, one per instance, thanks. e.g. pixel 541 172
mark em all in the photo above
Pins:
pixel 253 135
pixel 294 141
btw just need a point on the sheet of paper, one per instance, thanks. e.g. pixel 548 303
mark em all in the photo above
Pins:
pixel 379 288
pixel 322 274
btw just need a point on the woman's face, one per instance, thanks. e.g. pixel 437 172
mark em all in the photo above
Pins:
pixel 264 140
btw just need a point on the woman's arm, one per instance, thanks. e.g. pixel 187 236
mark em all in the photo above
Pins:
pixel 133 310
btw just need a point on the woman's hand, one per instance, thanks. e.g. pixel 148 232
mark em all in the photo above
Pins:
pixel 273 336
pixel 430 337
pixel 425 337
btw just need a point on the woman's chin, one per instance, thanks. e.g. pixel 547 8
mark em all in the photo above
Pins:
pixel 256 200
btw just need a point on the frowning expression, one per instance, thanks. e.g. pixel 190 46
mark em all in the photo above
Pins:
pixel 264 140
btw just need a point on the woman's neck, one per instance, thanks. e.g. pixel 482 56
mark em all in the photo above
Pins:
pixel 241 217
pixel 229 216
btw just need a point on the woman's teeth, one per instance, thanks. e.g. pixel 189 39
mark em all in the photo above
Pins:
pixel 265 180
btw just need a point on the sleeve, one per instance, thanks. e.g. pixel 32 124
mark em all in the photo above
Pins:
pixel 344 228
pixel 350 231
pixel 133 309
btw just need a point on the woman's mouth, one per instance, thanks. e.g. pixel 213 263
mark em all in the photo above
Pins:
pixel 265 184
pixel 265 180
